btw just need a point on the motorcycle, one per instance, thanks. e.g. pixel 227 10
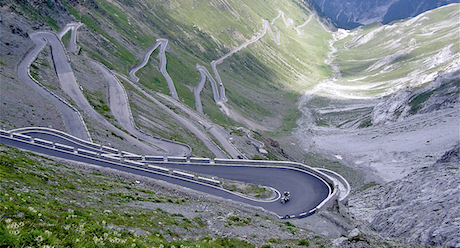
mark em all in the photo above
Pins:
pixel 285 197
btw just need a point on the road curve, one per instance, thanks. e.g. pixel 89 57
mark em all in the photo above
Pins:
pixel 216 130
pixel 220 97
pixel 163 43
pixel 119 106
pixel 71 117
pixel 69 85
pixel 186 122
pixel 73 26
pixel 307 191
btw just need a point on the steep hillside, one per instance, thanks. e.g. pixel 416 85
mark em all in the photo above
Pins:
pixel 396 209
pixel 392 104
pixel 275 47
pixel 388 114
pixel 381 102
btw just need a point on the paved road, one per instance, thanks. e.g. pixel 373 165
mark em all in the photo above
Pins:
pixel 186 122
pixel 71 117
pixel 72 89
pixel 119 106
pixel 163 43
pixel 307 191
pixel 73 26
pixel 217 131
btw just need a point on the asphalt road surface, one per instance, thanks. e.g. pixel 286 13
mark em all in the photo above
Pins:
pixel 307 191
pixel 119 106
pixel 72 119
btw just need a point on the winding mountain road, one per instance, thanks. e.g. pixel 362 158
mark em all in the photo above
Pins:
pixel 119 105
pixel 163 43
pixel 72 119
pixel 219 97
pixel 307 190
pixel 73 26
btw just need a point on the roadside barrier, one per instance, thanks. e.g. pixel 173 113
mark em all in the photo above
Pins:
pixel 111 158
pixel 209 181
pixel 109 149
pixel 135 160
pixel 135 163
pixel 43 142
pixel 343 196
pixel 200 160
pixel 64 147
pixel 5 133
pixel 87 153
pixel 22 137
pixel 177 159
pixel 158 168
pixel 133 157
pixel 154 158
pixel 57 133
pixel 183 174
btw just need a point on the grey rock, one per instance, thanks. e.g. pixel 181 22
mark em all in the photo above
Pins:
pixel 423 207
pixel 355 232
pixel 339 242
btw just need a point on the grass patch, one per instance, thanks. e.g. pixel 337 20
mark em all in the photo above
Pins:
pixel 44 203
pixel 238 220
pixel 253 190
pixel 370 185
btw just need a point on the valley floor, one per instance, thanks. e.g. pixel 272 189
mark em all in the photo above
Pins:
pixel 391 151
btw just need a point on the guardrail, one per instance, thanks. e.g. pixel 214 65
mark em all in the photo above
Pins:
pixel 333 196
pixel 58 133
pixel 43 142
pixel 343 196
pixel 143 161
pixel 154 158
pixel 121 158
pixel 200 160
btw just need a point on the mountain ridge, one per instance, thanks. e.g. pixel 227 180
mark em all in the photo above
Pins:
pixel 351 14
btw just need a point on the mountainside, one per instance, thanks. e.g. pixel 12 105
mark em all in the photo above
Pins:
pixel 379 104
pixel 390 82
pixel 350 14
pixel 423 207
pixel 391 111
pixel 267 57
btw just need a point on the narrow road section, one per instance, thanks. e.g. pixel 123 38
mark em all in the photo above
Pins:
pixel 119 106
pixel 72 119
pixel 163 43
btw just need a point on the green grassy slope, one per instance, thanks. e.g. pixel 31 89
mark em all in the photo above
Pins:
pixel 199 32
pixel 48 204
pixel 380 60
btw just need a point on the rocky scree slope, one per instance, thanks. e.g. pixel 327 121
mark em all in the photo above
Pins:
pixel 423 207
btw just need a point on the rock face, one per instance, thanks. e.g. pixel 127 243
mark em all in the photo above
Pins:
pixel 423 207
pixel 350 14
pixel 442 93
